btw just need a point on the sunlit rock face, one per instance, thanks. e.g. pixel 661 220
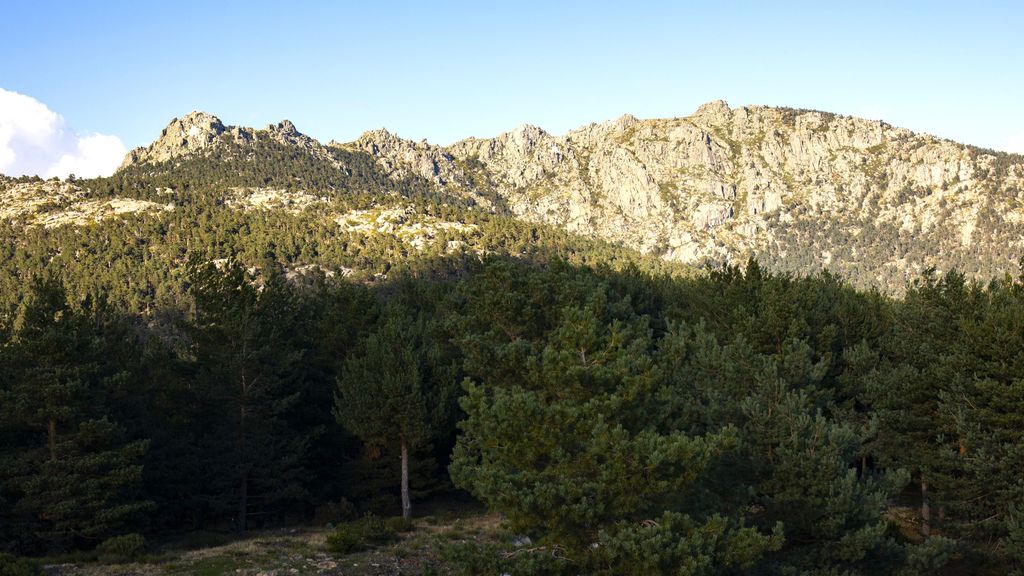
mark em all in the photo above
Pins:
pixel 803 189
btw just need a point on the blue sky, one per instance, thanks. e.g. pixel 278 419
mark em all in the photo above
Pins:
pixel 447 70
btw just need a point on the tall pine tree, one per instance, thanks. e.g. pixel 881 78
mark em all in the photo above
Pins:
pixel 391 392
pixel 246 343
pixel 73 474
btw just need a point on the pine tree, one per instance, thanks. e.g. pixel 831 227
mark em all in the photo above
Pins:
pixel 82 484
pixel 55 355
pixel 244 341
pixel 387 393
pixel 574 446
pixel 918 368
pixel 984 400
pixel 792 463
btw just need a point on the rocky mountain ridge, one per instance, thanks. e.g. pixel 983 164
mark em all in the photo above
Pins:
pixel 197 132
pixel 800 190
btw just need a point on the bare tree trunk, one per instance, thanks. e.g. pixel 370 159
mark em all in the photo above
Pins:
pixel 51 432
pixel 406 503
pixel 926 511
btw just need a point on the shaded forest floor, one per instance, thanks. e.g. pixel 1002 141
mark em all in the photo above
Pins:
pixel 305 551
pixel 418 551
pixel 297 551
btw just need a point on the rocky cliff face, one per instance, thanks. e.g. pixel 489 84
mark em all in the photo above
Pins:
pixel 800 190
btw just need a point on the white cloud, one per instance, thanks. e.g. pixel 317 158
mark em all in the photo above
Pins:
pixel 35 140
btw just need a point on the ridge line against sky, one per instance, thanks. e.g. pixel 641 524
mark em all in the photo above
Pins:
pixel 444 71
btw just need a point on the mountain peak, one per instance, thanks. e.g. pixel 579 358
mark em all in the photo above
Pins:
pixel 192 132
pixel 199 131
pixel 284 127
pixel 195 129
pixel 526 137
pixel 377 135
pixel 528 130
pixel 286 133
pixel 623 122
pixel 197 116
pixel 716 109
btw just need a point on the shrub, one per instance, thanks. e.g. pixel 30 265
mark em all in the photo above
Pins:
pixel 473 558
pixel 399 524
pixel 15 566
pixel 361 534
pixel 122 548
pixel 470 558
pixel 377 531
pixel 345 539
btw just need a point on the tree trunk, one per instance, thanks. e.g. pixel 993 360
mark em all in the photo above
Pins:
pixel 51 433
pixel 406 503
pixel 926 511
